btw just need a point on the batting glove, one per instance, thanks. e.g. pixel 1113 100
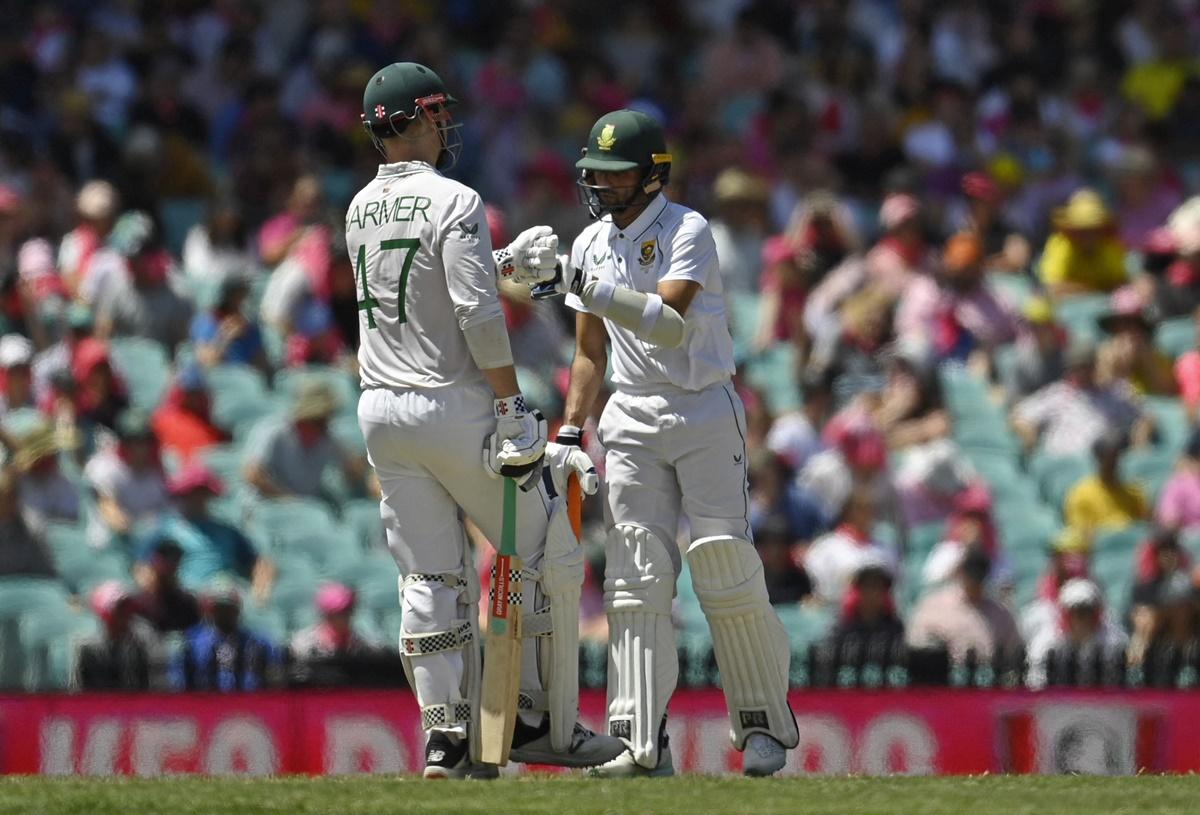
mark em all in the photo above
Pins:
pixel 529 259
pixel 518 446
pixel 565 461
pixel 566 279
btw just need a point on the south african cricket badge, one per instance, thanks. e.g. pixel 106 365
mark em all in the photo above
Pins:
pixel 647 253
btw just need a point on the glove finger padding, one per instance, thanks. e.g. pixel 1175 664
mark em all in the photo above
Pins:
pixel 517 449
pixel 565 461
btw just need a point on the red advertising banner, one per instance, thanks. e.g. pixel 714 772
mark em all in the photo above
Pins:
pixel 918 732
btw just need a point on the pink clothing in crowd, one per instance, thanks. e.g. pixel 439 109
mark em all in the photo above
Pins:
pixel 1179 504
pixel 988 319
pixel 312 251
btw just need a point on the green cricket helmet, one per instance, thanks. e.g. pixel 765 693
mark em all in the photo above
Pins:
pixel 623 140
pixel 400 92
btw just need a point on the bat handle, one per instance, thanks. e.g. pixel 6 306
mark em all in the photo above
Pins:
pixel 575 505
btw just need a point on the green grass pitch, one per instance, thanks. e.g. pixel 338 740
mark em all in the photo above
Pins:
pixel 689 795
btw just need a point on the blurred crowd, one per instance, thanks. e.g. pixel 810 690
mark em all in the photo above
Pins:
pixel 960 241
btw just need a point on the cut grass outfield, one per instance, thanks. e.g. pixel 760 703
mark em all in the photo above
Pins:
pixel 688 795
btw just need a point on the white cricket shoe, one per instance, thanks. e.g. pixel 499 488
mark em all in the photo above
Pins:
pixel 763 756
pixel 531 745
pixel 623 766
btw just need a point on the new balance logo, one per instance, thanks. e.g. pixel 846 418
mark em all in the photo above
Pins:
pixel 467 231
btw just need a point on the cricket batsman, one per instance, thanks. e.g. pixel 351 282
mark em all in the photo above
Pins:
pixel 644 277
pixel 443 420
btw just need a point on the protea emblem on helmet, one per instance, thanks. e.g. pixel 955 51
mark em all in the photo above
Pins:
pixel 607 137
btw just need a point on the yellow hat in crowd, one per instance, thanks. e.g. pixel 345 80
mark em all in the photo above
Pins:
pixel 1084 210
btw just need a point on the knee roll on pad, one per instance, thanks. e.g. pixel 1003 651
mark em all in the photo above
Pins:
pixel 439 646
pixel 751 645
pixel 643 667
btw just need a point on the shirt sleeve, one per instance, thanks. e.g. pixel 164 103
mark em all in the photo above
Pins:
pixel 466 251
pixel 1053 268
pixel 693 252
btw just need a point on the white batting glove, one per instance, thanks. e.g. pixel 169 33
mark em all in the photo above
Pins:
pixel 518 446
pixel 566 279
pixel 565 461
pixel 530 259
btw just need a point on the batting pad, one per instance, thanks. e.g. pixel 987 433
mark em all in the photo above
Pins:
pixel 561 584
pixel 643 666
pixel 439 645
pixel 750 643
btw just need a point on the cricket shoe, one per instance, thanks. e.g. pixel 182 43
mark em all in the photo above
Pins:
pixel 623 766
pixel 531 745
pixel 447 758
pixel 763 756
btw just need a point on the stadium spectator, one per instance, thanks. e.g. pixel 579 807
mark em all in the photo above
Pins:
pixel 216 248
pixel 833 558
pixel 126 655
pixel 1004 247
pixel 297 246
pixel 211 547
pixel 1083 641
pixel 774 496
pixel 16 374
pixel 1129 354
pixel 183 424
pixel 901 254
pixel 57 359
pixel 1067 417
pixel 1158 559
pixel 1173 645
pixel 1187 374
pixel 334 634
pixel 1068 560
pixel 784 290
pixel 955 308
pixel 288 459
pixel 163 602
pixel 1103 501
pixel 822 230
pixel 963 618
pixel 90 395
pixel 23 548
pixel 225 335
pixel 847 348
pixel 796 436
pixel 909 410
pixel 144 301
pixel 45 492
pixel 1083 256
pixel 97 205
pixel 1145 196
pixel 219 654
pixel 786 581
pixel 127 481
pixel 970 525
pixel 739 228
pixel 868 610
pixel 1179 502
pixel 931 481
pixel 1038 360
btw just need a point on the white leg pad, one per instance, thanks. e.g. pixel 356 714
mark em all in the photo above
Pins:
pixel 560 585
pixel 439 645
pixel 643 666
pixel 751 645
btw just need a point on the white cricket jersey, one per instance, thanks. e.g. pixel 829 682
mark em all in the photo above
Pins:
pixel 422 258
pixel 667 241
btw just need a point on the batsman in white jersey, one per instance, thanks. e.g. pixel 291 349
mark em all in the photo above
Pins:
pixel 644 278
pixel 443 419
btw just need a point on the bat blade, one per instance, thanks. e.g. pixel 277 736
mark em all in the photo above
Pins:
pixel 502 643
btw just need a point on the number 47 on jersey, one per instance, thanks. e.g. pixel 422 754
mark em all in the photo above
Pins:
pixel 369 303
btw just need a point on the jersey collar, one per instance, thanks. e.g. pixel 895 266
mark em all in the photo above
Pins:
pixel 404 168
pixel 643 222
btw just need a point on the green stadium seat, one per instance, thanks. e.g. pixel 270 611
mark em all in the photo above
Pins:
pixel 1080 313
pixel 1120 543
pixel 1015 288
pixel 225 460
pixel 178 216
pixel 774 373
pixel 240 395
pixel 743 318
pixel 1176 337
pixel 923 537
pixel 294 591
pixel 361 516
pixel 50 638
pixel 21 599
pixel 1149 468
pixel 266 621
pixel 144 366
pixel 1171 420
pixel 300 526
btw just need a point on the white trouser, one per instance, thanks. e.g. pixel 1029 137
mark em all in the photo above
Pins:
pixel 425 446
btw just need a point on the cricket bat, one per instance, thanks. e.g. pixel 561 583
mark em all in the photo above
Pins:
pixel 502 649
